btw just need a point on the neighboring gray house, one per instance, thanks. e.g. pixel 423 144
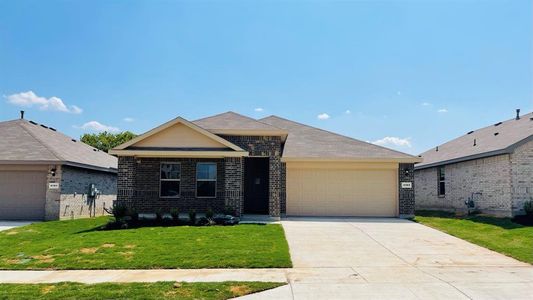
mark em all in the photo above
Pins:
pixel 46 175
pixel 493 166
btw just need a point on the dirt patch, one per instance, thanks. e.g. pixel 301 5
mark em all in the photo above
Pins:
pixel 130 246
pixel 12 232
pixel 108 245
pixel 239 290
pixel 128 255
pixel 44 258
pixel 88 250
pixel 47 289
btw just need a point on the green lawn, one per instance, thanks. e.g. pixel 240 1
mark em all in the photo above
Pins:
pixel 78 244
pixel 498 234
pixel 157 290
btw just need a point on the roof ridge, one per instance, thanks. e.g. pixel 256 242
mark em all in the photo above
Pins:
pixel 341 135
pixel 240 115
pixel 54 153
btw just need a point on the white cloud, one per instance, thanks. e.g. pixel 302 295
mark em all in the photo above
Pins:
pixel 323 116
pixel 347 112
pixel 128 119
pixel 442 110
pixel 30 99
pixel 425 104
pixel 393 141
pixel 98 127
pixel 259 109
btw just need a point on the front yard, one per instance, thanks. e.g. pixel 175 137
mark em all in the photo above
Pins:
pixel 498 234
pixel 78 244
pixel 157 290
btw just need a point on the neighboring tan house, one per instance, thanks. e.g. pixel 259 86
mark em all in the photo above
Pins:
pixel 46 175
pixel 492 166
pixel 270 166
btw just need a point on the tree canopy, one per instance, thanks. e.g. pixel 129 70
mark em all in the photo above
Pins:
pixel 106 140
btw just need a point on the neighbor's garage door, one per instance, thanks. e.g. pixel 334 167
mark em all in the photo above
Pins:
pixel 342 189
pixel 22 195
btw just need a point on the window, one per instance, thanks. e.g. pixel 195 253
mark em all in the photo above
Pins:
pixel 442 185
pixel 169 181
pixel 206 180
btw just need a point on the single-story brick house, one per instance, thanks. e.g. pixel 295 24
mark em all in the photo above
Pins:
pixel 271 166
pixel 46 175
pixel 492 166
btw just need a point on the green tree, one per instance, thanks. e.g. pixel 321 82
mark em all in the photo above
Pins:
pixel 106 140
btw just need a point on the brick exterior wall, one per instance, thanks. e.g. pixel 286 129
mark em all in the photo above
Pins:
pixel 521 176
pixel 233 167
pixel 406 196
pixel 266 146
pixel 283 191
pixel 70 200
pixel 489 176
pixel 74 199
pixel 138 185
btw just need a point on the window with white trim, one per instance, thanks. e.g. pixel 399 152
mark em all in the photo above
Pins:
pixel 170 180
pixel 206 180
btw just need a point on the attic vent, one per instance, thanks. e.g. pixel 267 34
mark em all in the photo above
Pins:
pixel 497 124
pixel 531 119
pixel 475 142
pixel 53 129
pixel 496 133
pixel 43 126
pixel 470 132
pixel 437 149
pixel 73 140
pixel 33 123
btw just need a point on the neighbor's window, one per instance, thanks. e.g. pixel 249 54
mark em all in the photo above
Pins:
pixel 442 185
pixel 169 185
pixel 206 180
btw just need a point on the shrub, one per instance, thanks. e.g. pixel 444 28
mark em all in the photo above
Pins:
pixel 175 213
pixel 119 211
pixel 228 210
pixel 134 215
pixel 209 213
pixel 192 216
pixel 528 208
pixel 159 215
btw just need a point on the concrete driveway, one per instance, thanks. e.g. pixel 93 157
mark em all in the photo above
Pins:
pixel 369 258
pixel 5 225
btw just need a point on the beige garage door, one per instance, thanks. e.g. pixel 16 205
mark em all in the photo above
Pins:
pixel 22 195
pixel 333 189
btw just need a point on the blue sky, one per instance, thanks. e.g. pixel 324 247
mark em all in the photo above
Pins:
pixel 417 72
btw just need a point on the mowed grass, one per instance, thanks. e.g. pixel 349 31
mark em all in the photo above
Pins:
pixel 157 290
pixel 78 244
pixel 498 234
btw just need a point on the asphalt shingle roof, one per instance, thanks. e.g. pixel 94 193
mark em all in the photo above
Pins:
pixel 28 142
pixel 233 121
pixel 305 141
pixel 490 140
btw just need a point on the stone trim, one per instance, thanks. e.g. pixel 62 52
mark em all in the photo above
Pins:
pixel 406 196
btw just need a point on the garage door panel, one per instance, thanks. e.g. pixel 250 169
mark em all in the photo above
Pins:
pixel 22 195
pixel 332 191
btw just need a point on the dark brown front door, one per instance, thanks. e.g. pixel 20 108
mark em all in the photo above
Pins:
pixel 256 185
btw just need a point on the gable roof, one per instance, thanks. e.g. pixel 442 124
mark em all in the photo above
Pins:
pixel 309 143
pixel 232 123
pixel 496 139
pixel 28 142
pixel 129 149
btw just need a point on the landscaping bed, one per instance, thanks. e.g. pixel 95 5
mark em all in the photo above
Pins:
pixel 157 290
pixel 83 244
pixel 502 235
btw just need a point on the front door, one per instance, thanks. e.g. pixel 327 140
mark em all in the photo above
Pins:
pixel 256 185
